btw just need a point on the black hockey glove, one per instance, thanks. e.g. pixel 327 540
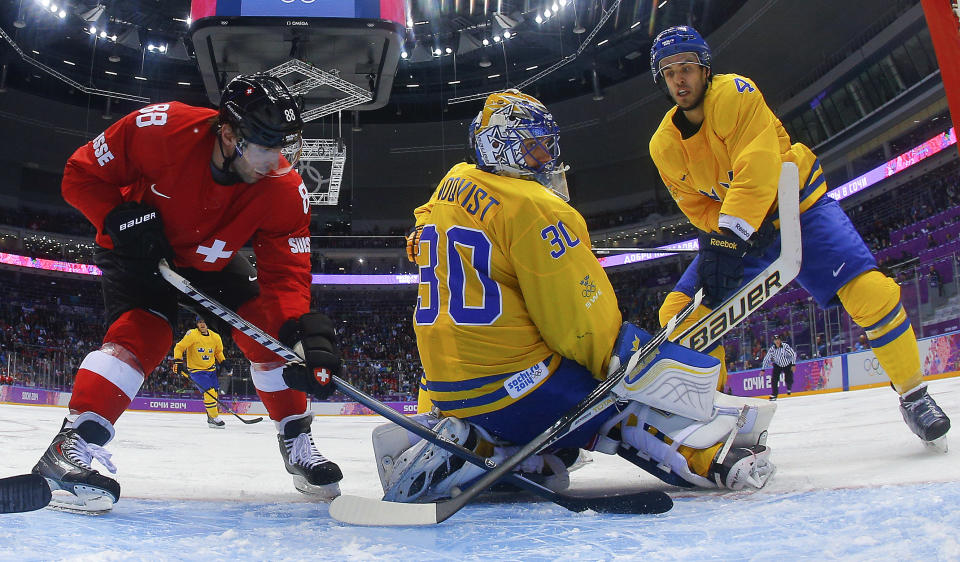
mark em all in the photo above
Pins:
pixel 762 238
pixel 312 336
pixel 721 265
pixel 137 232
pixel 225 367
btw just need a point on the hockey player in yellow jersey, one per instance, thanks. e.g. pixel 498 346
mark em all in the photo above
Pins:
pixel 199 356
pixel 719 151
pixel 516 322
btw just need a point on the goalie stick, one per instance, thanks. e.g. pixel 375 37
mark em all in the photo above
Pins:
pixel 707 331
pixel 27 492
pixel 636 503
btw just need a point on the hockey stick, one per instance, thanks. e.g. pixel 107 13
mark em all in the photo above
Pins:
pixel 642 502
pixel 222 405
pixel 709 329
pixel 756 292
pixel 27 492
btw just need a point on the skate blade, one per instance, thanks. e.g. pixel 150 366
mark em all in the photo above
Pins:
pixel 85 500
pixel 938 445
pixel 213 426
pixel 325 493
pixel 87 505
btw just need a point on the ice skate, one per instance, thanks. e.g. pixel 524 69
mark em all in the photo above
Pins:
pixel 925 418
pixel 215 423
pixel 66 465
pixel 313 474
pixel 743 466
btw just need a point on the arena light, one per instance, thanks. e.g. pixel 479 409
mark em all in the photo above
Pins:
pixel 448 50
pixel 538 19
pixel 507 34
pixel 61 14
pixel 93 30
pixel 547 13
pixel 486 42
pixel 437 52
pixel 496 38
pixel 403 54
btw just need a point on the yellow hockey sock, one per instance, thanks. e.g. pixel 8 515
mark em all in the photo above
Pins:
pixel 873 301
pixel 673 304
pixel 210 402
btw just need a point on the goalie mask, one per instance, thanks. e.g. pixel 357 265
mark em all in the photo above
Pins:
pixel 515 136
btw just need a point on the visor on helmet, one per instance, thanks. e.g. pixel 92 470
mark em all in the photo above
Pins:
pixel 273 162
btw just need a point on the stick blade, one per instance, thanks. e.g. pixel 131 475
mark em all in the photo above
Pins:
pixel 650 502
pixel 27 492
pixel 356 510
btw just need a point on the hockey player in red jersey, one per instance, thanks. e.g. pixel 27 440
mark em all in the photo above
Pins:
pixel 193 186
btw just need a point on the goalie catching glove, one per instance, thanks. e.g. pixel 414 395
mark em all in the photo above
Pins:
pixel 312 337
pixel 413 243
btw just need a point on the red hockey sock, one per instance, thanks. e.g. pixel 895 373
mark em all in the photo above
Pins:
pixel 284 403
pixel 93 393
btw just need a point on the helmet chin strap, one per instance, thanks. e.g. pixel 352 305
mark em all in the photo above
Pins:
pixel 224 175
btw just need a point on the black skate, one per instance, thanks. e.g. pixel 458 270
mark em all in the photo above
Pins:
pixel 66 466
pixel 742 466
pixel 925 418
pixel 313 474
pixel 216 423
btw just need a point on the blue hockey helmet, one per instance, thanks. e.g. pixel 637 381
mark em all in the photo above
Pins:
pixel 676 40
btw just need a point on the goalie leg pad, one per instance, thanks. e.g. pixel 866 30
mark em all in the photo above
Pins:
pixel 754 430
pixel 652 453
pixel 390 441
pixel 675 379
pixel 426 472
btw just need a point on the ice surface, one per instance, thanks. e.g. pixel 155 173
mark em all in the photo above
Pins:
pixel 852 483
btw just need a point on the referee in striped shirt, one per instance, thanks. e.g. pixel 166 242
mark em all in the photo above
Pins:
pixel 782 358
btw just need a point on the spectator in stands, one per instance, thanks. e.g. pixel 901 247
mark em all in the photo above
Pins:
pixel 781 357
pixel 934 281
pixel 821 347
pixel 862 343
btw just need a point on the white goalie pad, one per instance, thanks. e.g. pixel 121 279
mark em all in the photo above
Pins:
pixel 754 430
pixel 390 441
pixel 675 380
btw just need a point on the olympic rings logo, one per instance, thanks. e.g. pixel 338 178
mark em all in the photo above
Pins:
pixel 872 364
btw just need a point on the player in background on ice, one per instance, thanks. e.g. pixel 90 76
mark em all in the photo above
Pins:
pixel 199 356
pixel 194 185
pixel 516 322
pixel 719 151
